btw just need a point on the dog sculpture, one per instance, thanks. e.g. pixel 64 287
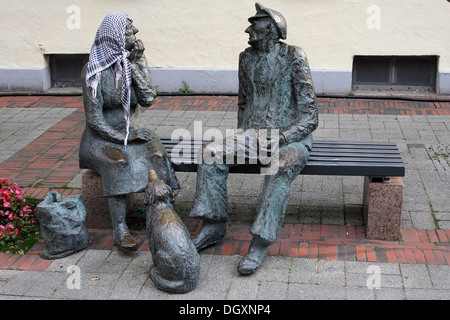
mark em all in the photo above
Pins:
pixel 176 262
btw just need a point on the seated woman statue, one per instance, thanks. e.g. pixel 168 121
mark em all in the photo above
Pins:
pixel 114 143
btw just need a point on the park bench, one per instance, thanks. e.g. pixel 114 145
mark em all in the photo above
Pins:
pixel 379 163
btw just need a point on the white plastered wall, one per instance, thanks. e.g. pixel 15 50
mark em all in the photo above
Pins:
pixel 206 36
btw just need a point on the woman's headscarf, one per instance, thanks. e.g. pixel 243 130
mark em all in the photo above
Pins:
pixel 109 49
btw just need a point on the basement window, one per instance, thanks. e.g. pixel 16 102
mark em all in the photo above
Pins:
pixel 395 72
pixel 65 69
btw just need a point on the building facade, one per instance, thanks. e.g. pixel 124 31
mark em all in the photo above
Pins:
pixel 351 45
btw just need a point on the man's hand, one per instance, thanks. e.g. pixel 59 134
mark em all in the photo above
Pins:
pixel 137 51
pixel 269 142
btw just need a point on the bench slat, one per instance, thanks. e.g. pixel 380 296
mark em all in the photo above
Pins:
pixel 311 169
pixel 355 159
pixel 354 153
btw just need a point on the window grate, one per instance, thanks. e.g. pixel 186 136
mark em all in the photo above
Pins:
pixel 395 72
pixel 65 69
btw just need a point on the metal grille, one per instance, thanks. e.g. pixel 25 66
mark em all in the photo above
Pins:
pixel 66 69
pixel 372 70
pixel 395 72
pixel 416 70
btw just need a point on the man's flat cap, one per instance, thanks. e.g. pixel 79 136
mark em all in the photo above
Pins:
pixel 275 16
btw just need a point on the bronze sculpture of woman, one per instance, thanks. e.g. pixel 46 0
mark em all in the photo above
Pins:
pixel 115 144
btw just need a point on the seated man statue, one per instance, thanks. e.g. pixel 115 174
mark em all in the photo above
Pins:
pixel 114 143
pixel 275 92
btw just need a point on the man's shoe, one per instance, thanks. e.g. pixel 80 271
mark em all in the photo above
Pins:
pixel 256 254
pixel 211 233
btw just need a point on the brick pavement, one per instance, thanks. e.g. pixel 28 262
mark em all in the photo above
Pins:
pixel 51 161
pixel 328 242
pixel 347 105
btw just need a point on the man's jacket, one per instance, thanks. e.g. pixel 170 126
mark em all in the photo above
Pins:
pixel 276 91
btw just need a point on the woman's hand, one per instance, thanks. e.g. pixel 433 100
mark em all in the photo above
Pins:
pixel 137 51
pixel 141 135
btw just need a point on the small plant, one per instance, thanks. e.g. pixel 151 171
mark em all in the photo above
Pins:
pixel 185 88
pixel 18 225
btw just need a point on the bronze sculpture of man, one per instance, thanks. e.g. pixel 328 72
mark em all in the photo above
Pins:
pixel 275 92
pixel 115 144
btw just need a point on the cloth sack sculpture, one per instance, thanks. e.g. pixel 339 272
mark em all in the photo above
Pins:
pixel 61 220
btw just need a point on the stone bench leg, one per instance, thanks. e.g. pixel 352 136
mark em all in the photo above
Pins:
pixel 382 202
pixel 97 210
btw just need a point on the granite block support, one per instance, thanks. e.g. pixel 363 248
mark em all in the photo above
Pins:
pixel 382 203
pixel 97 210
